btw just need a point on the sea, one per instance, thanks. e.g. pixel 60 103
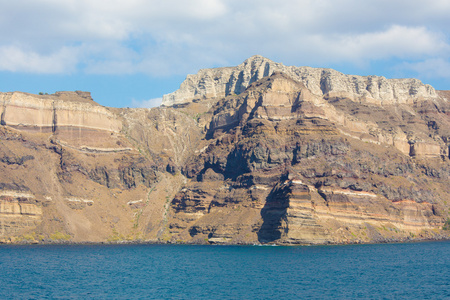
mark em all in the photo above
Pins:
pixel 381 271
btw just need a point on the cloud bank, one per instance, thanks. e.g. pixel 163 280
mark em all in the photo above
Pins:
pixel 162 38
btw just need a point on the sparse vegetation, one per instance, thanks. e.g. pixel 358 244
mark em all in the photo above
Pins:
pixel 446 225
pixel 31 237
pixel 115 236
pixel 59 236
pixel 136 222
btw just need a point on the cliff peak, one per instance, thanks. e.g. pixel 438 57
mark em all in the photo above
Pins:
pixel 256 59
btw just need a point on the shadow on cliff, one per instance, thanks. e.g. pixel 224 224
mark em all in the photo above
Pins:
pixel 274 215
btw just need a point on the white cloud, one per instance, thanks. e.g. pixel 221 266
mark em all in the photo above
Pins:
pixel 15 59
pixel 155 102
pixel 177 36
pixel 395 42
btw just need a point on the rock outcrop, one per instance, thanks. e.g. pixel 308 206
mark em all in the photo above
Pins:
pixel 259 153
pixel 18 211
pixel 221 82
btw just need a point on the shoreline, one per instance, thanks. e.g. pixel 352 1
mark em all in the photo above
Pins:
pixel 125 243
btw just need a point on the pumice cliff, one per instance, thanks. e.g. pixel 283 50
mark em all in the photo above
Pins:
pixel 258 153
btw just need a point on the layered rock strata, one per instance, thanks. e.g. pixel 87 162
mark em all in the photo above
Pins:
pixel 61 110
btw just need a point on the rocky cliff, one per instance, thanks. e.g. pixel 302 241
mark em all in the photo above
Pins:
pixel 259 153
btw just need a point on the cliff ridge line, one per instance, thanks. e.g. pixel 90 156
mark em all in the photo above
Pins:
pixel 221 82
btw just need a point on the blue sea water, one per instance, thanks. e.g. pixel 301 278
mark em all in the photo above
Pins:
pixel 387 271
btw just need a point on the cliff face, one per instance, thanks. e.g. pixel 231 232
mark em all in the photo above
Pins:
pixel 245 155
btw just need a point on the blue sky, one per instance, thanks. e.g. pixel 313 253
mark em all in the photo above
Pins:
pixel 129 53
